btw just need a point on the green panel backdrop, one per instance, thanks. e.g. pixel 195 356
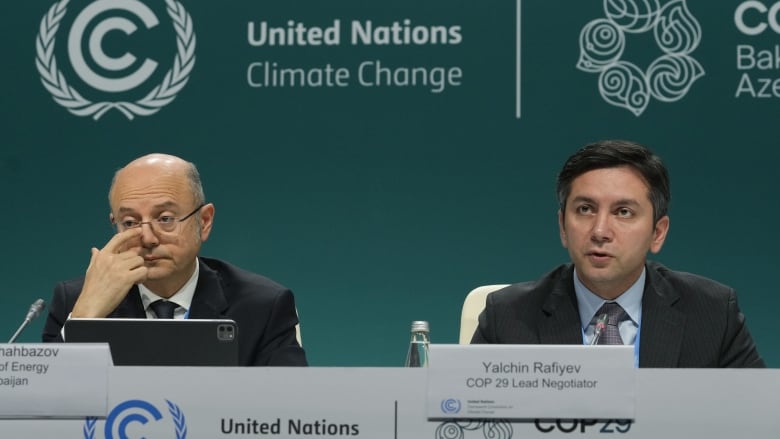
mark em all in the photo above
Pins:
pixel 382 159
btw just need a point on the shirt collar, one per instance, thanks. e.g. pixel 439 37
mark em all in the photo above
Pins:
pixel 183 297
pixel 588 302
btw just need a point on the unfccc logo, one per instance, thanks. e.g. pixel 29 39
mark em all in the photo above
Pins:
pixel 450 406
pixel 622 83
pixel 91 26
pixel 137 416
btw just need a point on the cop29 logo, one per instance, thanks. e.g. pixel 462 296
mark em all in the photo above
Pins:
pixel 117 78
pixel 136 414
pixel 467 429
pixel 668 78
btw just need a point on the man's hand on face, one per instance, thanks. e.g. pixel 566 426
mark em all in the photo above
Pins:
pixel 112 271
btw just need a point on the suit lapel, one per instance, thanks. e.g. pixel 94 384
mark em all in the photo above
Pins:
pixel 662 326
pixel 131 307
pixel 561 324
pixel 209 301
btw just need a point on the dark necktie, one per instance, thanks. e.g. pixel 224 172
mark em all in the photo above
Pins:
pixel 163 308
pixel 615 315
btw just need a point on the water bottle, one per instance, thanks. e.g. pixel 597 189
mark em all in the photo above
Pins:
pixel 418 346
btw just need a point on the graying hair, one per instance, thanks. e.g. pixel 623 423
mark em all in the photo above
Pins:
pixel 193 177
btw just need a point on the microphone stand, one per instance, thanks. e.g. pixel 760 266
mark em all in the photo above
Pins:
pixel 601 323
pixel 35 311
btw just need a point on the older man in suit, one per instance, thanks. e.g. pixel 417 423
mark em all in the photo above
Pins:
pixel 150 267
pixel 613 201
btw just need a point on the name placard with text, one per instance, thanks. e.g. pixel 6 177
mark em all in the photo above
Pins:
pixel 531 381
pixel 54 380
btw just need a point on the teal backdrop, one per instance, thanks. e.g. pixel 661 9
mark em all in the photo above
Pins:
pixel 385 200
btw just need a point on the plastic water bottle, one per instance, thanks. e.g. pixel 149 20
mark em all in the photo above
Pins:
pixel 418 346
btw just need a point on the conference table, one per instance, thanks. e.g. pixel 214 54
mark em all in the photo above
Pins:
pixel 376 403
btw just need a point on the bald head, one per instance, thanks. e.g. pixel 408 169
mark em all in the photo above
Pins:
pixel 155 192
pixel 161 165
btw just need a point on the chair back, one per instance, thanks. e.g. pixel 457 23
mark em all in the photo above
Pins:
pixel 298 330
pixel 472 307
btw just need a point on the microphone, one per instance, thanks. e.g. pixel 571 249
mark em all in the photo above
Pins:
pixel 601 323
pixel 35 311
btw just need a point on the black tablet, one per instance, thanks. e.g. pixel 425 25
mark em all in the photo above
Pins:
pixel 160 342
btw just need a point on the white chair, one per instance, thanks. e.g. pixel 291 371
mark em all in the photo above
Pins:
pixel 298 330
pixel 472 307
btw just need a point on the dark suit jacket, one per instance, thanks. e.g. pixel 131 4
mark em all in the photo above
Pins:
pixel 264 311
pixel 687 320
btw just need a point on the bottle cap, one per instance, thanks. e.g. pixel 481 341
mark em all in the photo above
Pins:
pixel 420 326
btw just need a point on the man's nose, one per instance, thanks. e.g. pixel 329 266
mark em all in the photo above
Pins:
pixel 148 236
pixel 602 228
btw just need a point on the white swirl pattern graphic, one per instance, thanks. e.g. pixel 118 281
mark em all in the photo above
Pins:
pixel 632 15
pixel 677 31
pixel 602 44
pixel 670 76
pixel 623 84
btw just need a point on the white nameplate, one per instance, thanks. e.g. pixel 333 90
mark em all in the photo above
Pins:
pixel 531 381
pixel 54 380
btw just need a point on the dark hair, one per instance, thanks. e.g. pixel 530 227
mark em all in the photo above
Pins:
pixel 612 154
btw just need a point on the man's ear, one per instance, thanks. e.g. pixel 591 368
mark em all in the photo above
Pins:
pixel 562 230
pixel 206 221
pixel 659 234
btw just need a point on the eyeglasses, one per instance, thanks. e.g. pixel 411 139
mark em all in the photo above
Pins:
pixel 165 223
